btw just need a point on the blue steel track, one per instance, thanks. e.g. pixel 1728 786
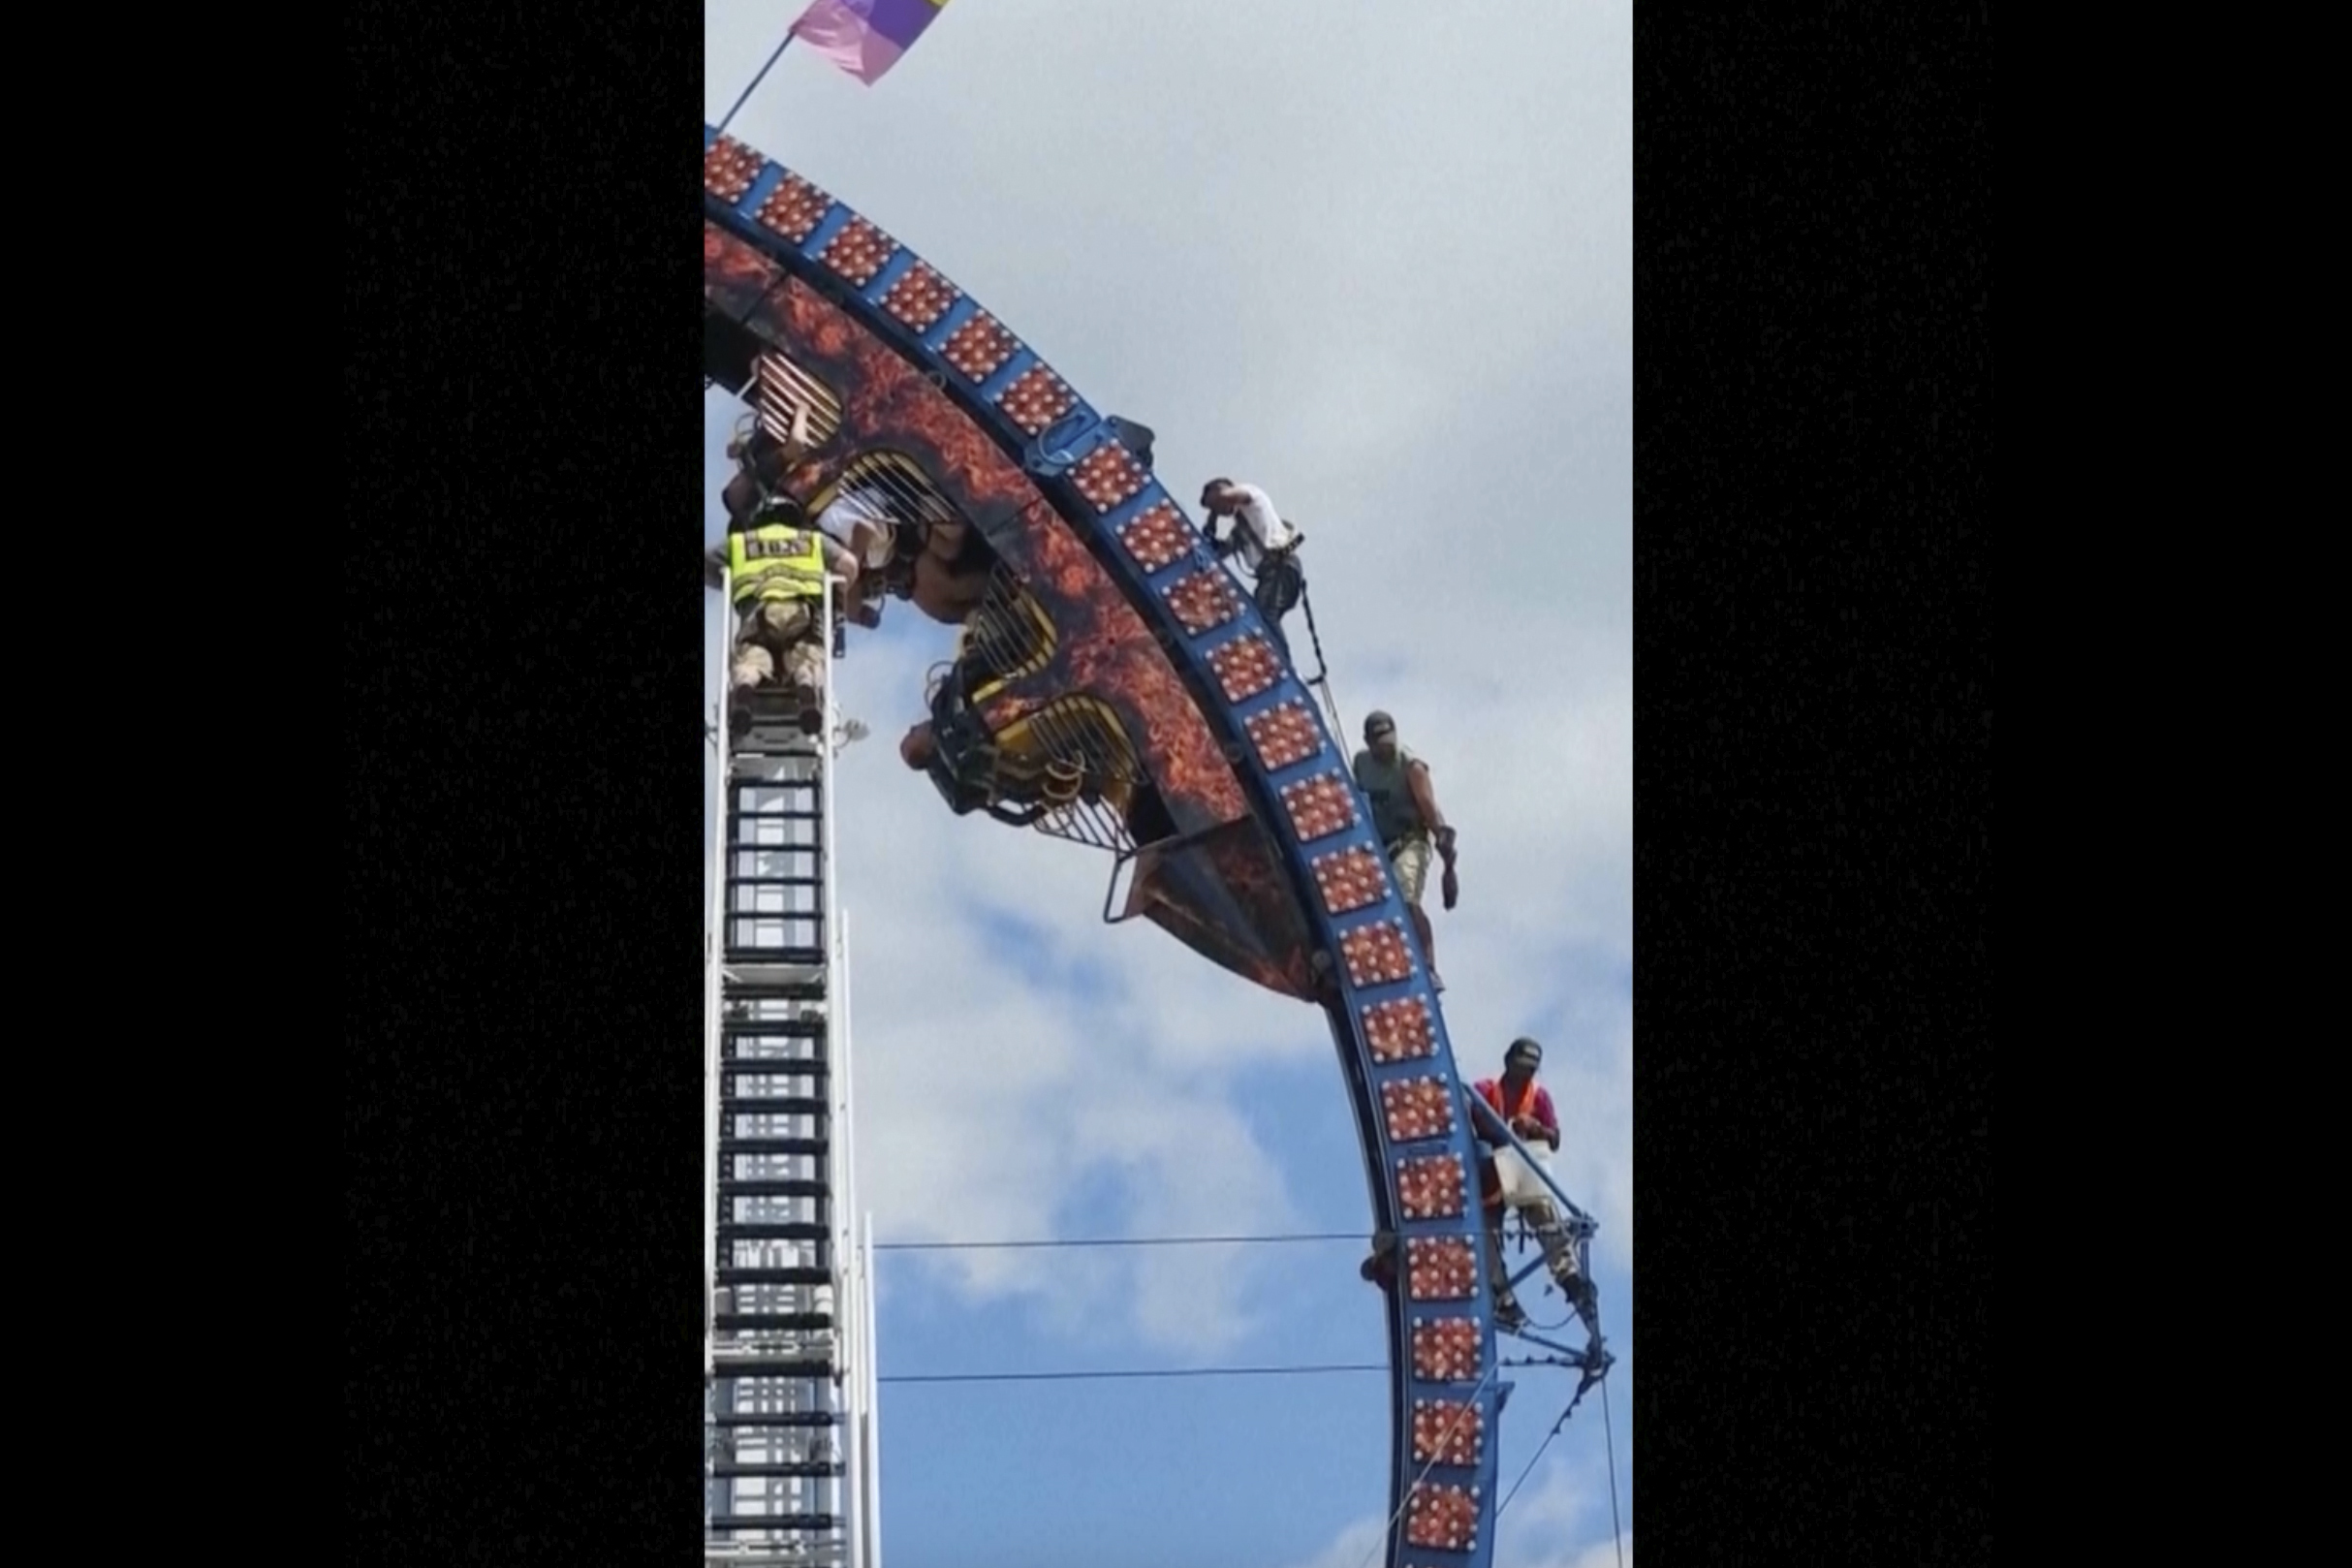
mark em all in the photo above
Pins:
pixel 1370 1009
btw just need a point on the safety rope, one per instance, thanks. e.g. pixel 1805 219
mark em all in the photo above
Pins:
pixel 1322 678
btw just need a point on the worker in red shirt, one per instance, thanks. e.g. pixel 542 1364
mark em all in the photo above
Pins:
pixel 1525 1107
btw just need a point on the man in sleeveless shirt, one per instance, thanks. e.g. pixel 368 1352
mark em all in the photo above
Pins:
pixel 1525 1107
pixel 1405 816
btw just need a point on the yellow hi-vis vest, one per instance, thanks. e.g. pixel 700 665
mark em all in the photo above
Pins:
pixel 775 563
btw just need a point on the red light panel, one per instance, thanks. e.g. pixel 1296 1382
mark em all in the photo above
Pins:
pixel 857 253
pixel 979 347
pixel 1399 1030
pixel 1036 398
pixel 1245 667
pixel 1108 475
pixel 1417 1108
pixel 1447 1432
pixel 1286 735
pixel 729 167
pixel 1319 806
pixel 1431 1188
pixel 920 298
pixel 1158 538
pixel 1377 954
pixel 1445 1349
pixel 1203 601
pixel 795 208
pixel 1442 1268
pixel 1350 879
pixel 1443 1517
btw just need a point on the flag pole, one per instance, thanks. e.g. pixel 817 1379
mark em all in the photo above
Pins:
pixel 755 82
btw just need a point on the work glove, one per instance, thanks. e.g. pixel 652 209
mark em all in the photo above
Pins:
pixel 1451 886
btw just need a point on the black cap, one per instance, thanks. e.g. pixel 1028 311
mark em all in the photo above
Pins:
pixel 1376 723
pixel 1523 1047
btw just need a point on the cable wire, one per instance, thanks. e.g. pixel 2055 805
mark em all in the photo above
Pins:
pixel 1537 1454
pixel 1133 1372
pixel 1609 1445
pixel 1118 1241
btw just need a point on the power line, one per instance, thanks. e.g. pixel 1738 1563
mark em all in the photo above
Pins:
pixel 1122 1242
pixel 1165 1371
pixel 1173 1371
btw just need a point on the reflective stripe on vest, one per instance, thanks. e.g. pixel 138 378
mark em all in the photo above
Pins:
pixel 1494 1093
pixel 776 562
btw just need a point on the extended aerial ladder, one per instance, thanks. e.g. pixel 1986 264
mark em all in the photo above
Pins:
pixel 790 1479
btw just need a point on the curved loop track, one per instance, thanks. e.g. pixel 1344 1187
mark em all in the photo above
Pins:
pixel 1370 974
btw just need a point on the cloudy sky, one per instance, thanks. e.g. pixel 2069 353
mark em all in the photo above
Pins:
pixel 1377 258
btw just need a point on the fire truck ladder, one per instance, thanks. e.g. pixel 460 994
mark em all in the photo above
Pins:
pixel 788 1348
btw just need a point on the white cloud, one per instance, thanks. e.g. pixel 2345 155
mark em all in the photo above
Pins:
pixel 1352 1548
pixel 1554 1520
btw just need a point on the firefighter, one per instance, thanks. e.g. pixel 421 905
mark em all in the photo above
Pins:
pixel 779 570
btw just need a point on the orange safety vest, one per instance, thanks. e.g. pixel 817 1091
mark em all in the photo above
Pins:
pixel 1490 1182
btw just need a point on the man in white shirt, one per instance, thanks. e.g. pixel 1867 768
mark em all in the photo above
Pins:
pixel 1268 547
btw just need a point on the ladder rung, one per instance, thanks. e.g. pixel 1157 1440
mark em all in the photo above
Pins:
pixel 729 1187
pixel 789 1469
pixel 774 1522
pixel 772 1230
pixel 772 1105
pixel 760 1368
pixel 777 1418
pixel 732 1144
pixel 745 1274
pixel 802 1028
pixel 801 1322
